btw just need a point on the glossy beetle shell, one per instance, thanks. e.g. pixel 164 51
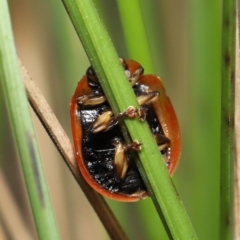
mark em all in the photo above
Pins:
pixel 162 111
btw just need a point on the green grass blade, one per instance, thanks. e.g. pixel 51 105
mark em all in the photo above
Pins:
pixel 104 60
pixel 133 25
pixel 23 130
pixel 227 118
pixel 201 153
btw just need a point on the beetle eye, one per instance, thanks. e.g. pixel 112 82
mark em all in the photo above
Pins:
pixel 92 77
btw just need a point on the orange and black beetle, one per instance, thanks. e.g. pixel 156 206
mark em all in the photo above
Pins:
pixel 102 155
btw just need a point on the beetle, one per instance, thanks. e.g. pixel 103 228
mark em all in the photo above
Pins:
pixel 104 159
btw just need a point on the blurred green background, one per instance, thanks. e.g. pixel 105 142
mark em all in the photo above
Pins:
pixel 184 38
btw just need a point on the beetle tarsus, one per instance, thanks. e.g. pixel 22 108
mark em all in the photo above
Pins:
pixel 141 194
pixel 135 145
pixel 131 112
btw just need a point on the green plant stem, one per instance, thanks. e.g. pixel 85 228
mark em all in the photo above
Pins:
pixel 134 26
pixel 23 131
pixel 103 57
pixel 227 118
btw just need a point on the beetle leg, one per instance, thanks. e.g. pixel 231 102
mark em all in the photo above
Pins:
pixel 140 194
pixel 161 141
pixel 121 161
pixel 134 72
pixel 144 100
pixel 131 112
pixel 107 120
pixel 92 99
pixel 148 98
pixel 104 122
pixel 140 113
pixel 135 145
